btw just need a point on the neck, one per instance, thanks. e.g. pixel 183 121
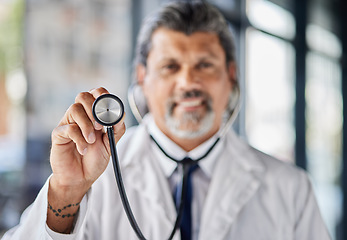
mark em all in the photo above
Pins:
pixel 189 144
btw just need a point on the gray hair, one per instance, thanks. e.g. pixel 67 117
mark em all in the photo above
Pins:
pixel 186 17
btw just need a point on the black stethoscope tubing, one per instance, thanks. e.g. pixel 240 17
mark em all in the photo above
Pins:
pixel 186 163
pixel 116 167
pixel 183 161
pixel 120 185
pixel 109 122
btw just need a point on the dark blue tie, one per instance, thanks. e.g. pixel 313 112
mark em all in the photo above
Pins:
pixel 186 223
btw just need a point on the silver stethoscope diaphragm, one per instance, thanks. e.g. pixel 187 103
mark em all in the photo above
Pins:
pixel 108 110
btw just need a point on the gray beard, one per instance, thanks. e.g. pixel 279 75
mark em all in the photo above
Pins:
pixel 204 123
pixel 190 119
pixel 192 124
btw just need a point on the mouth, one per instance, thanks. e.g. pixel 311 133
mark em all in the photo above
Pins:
pixel 190 104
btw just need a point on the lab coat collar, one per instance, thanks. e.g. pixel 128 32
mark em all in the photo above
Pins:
pixel 206 165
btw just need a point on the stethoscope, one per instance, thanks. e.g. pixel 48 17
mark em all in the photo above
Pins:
pixel 108 110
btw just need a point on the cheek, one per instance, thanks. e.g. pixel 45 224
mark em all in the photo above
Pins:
pixel 156 96
pixel 221 98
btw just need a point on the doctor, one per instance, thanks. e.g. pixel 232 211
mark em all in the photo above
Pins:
pixel 187 71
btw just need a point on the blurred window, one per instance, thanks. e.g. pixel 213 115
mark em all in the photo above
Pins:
pixel 270 90
pixel 324 121
pixel 271 18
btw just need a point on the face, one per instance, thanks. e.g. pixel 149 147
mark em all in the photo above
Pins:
pixel 187 83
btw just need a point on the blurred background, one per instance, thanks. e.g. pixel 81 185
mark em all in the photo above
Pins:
pixel 292 67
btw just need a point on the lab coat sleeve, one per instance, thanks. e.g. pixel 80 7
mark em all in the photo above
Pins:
pixel 309 223
pixel 32 225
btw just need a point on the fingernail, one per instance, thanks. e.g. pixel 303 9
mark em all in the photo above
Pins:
pixel 97 126
pixel 84 151
pixel 91 137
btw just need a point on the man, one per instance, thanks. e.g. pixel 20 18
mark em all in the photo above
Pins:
pixel 187 71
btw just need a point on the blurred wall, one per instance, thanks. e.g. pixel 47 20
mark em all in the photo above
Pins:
pixel 70 47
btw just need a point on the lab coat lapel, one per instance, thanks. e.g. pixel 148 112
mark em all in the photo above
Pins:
pixel 150 184
pixel 232 186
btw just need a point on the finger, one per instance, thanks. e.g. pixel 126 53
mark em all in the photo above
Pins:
pixel 66 133
pixel 119 129
pixel 119 132
pixel 87 100
pixel 96 92
pixel 77 114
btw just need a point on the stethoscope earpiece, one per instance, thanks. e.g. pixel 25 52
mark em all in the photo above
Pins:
pixel 108 110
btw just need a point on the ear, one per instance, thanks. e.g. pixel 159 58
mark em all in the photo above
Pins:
pixel 140 74
pixel 232 72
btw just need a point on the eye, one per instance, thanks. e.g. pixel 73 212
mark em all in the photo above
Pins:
pixel 204 65
pixel 171 67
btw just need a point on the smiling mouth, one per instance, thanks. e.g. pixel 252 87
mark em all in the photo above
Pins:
pixel 190 103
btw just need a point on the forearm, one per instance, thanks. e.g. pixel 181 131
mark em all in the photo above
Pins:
pixel 63 206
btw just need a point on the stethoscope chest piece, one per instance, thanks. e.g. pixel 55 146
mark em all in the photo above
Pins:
pixel 108 109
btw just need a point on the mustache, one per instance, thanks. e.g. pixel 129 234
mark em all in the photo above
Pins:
pixel 192 94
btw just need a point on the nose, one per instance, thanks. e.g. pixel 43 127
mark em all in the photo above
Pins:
pixel 187 79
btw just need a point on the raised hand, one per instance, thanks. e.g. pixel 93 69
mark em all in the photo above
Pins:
pixel 79 155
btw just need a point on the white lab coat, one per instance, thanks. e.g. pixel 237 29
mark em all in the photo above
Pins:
pixel 252 196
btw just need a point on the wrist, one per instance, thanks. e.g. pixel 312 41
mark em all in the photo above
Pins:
pixel 65 194
pixel 67 211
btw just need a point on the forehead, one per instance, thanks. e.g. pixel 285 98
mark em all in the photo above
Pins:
pixel 166 42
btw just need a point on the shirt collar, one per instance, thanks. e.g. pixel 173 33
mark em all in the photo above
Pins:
pixel 171 148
